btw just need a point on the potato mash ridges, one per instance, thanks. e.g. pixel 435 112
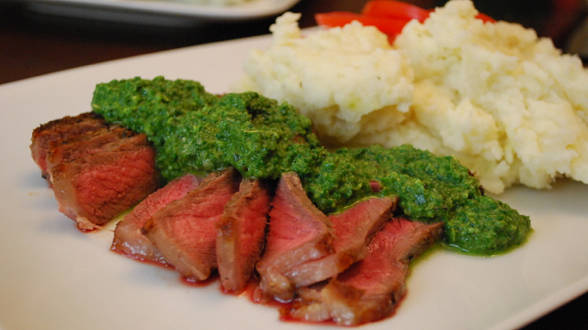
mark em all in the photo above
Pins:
pixel 504 102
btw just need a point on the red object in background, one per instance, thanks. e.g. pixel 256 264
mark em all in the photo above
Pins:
pixel 340 18
pixel 388 16
pixel 394 9
pixel 485 18
pixel 391 27
pixel 403 10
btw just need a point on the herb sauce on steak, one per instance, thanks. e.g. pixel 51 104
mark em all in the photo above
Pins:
pixel 194 131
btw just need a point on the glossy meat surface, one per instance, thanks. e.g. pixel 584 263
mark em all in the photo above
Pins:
pixel 95 188
pixel 371 288
pixel 298 232
pixel 185 230
pixel 353 230
pixel 128 238
pixel 241 234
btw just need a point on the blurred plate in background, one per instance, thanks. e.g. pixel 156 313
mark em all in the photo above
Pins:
pixel 160 12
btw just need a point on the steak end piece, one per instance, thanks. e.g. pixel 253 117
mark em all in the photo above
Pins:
pixel 128 238
pixel 57 132
pixel 96 170
pixel 85 144
pixel 95 188
pixel 298 232
pixel 370 289
pixel 185 230
pixel 241 233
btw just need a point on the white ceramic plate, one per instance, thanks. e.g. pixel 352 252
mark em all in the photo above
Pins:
pixel 54 277
pixel 161 11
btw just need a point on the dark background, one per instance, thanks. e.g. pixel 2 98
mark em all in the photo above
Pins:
pixel 34 42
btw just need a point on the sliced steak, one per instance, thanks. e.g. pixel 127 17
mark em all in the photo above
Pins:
pixel 96 170
pixel 241 232
pixel 298 232
pixel 353 230
pixel 61 131
pixel 128 238
pixel 185 230
pixel 100 184
pixel 88 142
pixel 370 289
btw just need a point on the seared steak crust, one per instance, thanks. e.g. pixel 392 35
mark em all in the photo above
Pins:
pixel 96 170
pixel 87 142
pixel 61 131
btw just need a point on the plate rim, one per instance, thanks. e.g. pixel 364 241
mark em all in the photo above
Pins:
pixel 253 10
pixel 531 312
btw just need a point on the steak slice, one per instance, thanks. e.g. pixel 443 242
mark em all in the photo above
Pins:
pixel 353 229
pixel 240 235
pixel 298 232
pixel 101 183
pixel 370 289
pixel 185 230
pixel 128 238
pixel 60 131
pixel 76 147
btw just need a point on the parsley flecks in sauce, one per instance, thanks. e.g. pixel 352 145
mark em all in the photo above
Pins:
pixel 195 131
pixel 484 226
pixel 149 106
pixel 428 186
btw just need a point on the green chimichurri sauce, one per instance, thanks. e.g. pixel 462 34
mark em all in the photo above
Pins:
pixel 198 132
pixel 195 131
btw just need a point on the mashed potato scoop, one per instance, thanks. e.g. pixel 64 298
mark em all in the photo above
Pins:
pixel 504 102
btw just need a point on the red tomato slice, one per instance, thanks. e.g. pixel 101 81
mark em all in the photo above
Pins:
pixel 394 9
pixel 390 27
pixel 485 18
pixel 388 16
pixel 403 10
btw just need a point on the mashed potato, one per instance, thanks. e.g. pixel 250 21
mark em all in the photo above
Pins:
pixel 336 77
pixel 504 102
